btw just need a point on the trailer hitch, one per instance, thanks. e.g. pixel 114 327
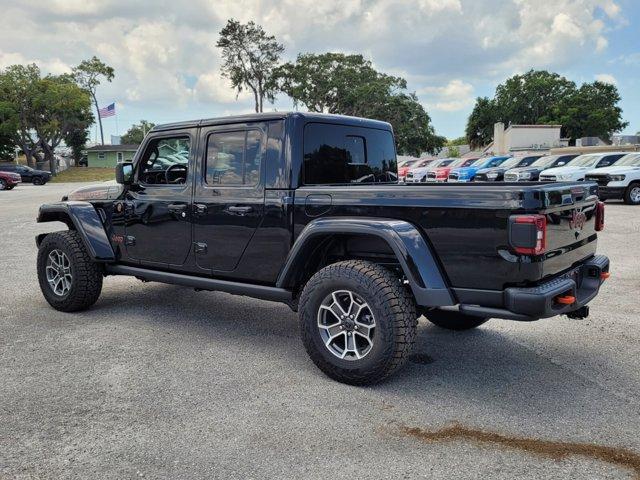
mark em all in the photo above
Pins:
pixel 579 314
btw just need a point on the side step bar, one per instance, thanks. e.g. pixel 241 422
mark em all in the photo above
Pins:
pixel 257 291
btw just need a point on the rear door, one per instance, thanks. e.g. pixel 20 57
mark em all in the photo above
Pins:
pixel 229 193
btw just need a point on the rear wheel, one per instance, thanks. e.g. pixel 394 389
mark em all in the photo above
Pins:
pixel 69 279
pixel 632 194
pixel 454 320
pixel 358 322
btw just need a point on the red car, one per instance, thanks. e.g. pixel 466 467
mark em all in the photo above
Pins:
pixel 442 173
pixel 9 180
pixel 404 169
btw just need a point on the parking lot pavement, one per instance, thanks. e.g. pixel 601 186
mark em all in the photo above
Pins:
pixel 164 382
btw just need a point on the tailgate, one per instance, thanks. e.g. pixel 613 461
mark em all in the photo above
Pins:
pixel 570 210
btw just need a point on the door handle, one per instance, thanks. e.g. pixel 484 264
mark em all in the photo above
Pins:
pixel 239 210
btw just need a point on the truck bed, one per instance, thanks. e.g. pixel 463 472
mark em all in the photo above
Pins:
pixel 467 224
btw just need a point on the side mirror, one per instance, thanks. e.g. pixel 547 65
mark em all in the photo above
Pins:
pixel 124 173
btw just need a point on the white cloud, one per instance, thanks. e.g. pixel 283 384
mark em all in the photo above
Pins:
pixel 165 57
pixel 606 78
pixel 455 95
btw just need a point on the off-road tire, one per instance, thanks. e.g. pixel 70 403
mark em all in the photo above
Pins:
pixel 3 185
pixel 86 283
pixel 454 320
pixel 390 302
pixel 627 194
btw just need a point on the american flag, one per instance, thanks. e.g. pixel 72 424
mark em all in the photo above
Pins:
pixel 108 111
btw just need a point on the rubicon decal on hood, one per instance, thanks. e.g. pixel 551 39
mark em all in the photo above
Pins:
pixel 104 191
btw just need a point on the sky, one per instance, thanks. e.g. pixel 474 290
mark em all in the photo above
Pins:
pixel 449 51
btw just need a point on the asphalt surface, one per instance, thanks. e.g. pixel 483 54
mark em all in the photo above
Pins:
pixel 159 381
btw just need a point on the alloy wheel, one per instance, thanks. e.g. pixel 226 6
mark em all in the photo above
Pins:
pixel 346 324
pixel 634 194
pixel 58 271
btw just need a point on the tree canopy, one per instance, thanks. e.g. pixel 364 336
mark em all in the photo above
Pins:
pixel 249 56
pixel 541 97
pixel 38 112
pixel 137 132
pixel 88 75
pixel 350 85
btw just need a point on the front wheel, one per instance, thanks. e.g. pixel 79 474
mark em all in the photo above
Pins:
pixel 450 320
pixel 37 181
pixel 3 184
pixel 69 279
pixel 632 194
pixel 358 322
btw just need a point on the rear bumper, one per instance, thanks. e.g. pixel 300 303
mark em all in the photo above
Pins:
pixel 610 192
pixel 581 282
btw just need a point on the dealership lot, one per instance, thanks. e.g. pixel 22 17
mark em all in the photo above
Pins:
pixel 164 382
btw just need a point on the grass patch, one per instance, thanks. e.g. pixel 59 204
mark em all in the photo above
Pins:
pixel 85 174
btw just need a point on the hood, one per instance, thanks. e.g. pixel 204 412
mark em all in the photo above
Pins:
pixel 464 170
pixel 615 170
pixel 566 170
pixel 420 171
pixel 492 169
pixel 525 169
pixel 109 190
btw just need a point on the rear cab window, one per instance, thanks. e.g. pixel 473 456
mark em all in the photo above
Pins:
pixel 341 154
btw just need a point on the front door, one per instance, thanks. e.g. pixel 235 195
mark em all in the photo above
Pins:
pixel 229 194
pixel 158 214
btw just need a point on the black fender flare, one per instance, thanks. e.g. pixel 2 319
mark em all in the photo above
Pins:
pixel 82 217
pixel 413 252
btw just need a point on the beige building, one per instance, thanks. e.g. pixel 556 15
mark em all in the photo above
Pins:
pixel 524 138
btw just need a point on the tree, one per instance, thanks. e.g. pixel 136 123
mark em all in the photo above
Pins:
pixel 454 151
pixel 39 112
pixel 77 140
pixel 18 87
pixel 349 85
pixel 590 111
pixel 541 97
pixel 88 75
pixel 7 128
pixel 528 98
pixel 60 109
pixel 137 132
pixel 334 82
pixel 457 141
pixel 480 123
pixel 249 57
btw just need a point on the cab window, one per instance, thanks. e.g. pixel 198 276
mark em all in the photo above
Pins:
pixel 338 154
pixel 165 161
pixel 233 158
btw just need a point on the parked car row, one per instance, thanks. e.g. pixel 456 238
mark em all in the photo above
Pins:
pixel 617 173
pixel 11 174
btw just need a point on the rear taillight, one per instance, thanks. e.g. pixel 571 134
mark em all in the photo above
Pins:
pixel 528 233
pixel 599 216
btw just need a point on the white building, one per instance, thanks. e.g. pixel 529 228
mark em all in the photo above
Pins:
pixel 524 138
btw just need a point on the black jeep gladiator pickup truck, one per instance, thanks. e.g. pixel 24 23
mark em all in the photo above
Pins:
pixel 306 209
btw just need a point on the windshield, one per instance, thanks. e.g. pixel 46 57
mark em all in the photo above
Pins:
pixel 478 163
pixel 545 161
pixel 584 161
pixel 631 160
pixel 441 163
pixel 512 162
pixel 526 161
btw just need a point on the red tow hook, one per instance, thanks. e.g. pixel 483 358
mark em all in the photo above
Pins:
pixel 565 299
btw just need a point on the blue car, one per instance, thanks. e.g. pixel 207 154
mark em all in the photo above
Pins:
pixel 467 174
